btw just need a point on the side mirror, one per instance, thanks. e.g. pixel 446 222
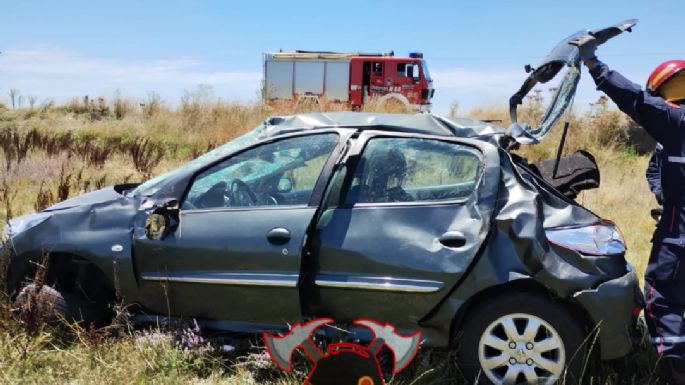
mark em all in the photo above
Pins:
pixel 162 220
pixel 285 185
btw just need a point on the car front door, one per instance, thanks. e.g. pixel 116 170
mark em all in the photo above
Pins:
pixel 237 250
pixel 405 217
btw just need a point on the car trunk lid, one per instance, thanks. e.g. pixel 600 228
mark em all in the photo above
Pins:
pixel 562 56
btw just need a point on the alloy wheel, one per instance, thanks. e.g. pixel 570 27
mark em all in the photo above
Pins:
pixel 521 349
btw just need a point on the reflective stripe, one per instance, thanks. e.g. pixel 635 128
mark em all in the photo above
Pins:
pixel 669 340
pixel 676 159
pixel 650 313
pixel 653 82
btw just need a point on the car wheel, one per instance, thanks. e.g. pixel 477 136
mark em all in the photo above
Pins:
pixel 521 338
pixel 57 305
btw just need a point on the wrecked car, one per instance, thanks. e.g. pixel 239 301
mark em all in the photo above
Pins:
pixel 426 223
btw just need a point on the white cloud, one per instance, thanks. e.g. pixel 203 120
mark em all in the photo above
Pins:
pixel 51 73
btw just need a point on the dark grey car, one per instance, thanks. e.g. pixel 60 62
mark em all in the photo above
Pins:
pixel 426 223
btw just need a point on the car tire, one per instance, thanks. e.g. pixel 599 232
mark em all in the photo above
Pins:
pixel 521 338
pixel 57 306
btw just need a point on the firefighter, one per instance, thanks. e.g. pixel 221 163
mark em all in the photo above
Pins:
pixel 660 110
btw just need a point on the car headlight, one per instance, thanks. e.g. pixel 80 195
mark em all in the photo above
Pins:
pixel 600 239
pixel 26 222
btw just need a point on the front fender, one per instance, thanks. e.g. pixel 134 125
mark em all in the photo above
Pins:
pixel 100 234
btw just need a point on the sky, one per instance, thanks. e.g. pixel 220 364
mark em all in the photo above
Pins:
pixel 475 50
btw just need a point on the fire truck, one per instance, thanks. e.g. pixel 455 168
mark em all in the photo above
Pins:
pixel 351 78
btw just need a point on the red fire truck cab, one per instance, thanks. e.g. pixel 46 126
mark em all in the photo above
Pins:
pixel 351 78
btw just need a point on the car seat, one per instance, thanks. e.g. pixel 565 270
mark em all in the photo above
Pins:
pixel 383 174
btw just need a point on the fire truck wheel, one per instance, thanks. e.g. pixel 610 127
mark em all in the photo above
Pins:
pixel 394 103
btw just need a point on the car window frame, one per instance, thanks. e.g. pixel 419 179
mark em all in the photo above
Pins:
pixel 355 154
pixel 319 185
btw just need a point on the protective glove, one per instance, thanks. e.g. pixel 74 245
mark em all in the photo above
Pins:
pixel 587 45
pixel 659 195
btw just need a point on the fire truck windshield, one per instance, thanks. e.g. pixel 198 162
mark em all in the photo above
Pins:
pixel 425 70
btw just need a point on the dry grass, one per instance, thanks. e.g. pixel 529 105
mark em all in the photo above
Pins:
pixel 55 152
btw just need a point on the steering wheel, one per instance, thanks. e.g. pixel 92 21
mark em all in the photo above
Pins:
pixel 242 194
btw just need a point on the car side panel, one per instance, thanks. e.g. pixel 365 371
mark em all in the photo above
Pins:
pixel 220 265
pixel 387 263
pixel 398 270
pixel 517 255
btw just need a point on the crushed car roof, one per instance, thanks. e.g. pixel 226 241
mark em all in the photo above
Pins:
pixel 416 123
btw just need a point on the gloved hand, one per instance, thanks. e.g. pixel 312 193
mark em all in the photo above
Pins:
pixel 656 213
pixel 587 45
pixel 659 195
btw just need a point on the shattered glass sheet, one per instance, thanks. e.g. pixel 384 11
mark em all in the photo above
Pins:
pixel 562 55
pixel 560 102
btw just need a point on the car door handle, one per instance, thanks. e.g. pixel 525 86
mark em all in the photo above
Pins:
pixel 453 239
pixel 278 235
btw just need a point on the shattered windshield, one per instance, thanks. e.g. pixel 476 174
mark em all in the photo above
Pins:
pixel 560 102
pixel 267 160
pixel 150 187
pixel 278 173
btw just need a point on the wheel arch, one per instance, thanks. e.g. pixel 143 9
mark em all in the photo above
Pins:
pixel 71 272
pixel 397 96
pixel 520 285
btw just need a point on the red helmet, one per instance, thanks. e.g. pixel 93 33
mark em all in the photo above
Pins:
pixel 668 80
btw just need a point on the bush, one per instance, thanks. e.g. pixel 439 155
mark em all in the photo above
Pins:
pixel 121 107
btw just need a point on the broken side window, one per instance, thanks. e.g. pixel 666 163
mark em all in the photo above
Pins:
pixel 279 173
pixel 414 170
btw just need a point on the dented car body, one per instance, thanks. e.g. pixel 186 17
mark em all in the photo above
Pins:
pixel 415 263
pixel 426 223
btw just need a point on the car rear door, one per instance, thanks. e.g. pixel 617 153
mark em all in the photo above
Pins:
pixel 237 250
pixel 404 218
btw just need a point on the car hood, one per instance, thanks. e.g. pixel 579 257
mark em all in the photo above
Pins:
pixel 562 56
pixel 104 195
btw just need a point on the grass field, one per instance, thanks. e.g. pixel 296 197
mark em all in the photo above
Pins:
pixel 52 152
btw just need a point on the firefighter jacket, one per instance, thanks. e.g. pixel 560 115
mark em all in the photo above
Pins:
pixel 654 173
pixel 665 122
